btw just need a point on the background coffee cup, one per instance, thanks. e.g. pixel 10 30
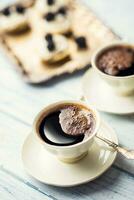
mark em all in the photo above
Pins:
pixel 73 152
pixel 122 85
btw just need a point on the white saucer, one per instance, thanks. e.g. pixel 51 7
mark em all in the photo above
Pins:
pixel 98 93
pixel 46 168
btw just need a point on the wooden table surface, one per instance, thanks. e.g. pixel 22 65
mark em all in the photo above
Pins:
pixel 19 103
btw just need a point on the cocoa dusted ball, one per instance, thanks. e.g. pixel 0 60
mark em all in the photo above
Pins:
pixel 115 60
pixel 75 121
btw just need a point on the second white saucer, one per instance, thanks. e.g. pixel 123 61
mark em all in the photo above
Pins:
pixel 46 167
pixel 98 93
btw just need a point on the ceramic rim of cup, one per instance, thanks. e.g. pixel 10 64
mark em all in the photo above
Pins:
pixel 40 116
pixel 103 49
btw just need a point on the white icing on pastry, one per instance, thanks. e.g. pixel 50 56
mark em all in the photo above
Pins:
pixel 14 22
pixel 43 7
pixel 61 24
pixel 60 52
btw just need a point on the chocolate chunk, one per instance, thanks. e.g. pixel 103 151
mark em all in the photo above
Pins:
pixel 50 2
pixel 49 37
pixel 20 9
pixel 51 46
pixel 81 42
pixel 75 121
pixel 62 11
pixel 50 16
pixel 6 11
pixel 68 34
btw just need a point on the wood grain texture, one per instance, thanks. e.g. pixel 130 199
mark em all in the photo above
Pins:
pixel 19 103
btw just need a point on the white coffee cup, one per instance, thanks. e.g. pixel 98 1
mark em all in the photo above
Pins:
pixel 70 153
pixel 122 85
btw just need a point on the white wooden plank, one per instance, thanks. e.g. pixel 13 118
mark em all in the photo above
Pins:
pixel 11 188
pixel 113 185
pixel 124 127
pixel 19 94
pixel 71 83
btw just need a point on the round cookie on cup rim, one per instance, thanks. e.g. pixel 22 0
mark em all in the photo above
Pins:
pixel 114 63
pixel 73 151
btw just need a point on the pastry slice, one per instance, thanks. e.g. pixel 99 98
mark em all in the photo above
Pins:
pixel 57 22
pixel 13 19
pixel 54 48
pixel 45 6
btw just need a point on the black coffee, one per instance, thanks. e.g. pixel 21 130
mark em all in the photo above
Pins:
pixel 117 61
pixel 51 132
pixel 127 72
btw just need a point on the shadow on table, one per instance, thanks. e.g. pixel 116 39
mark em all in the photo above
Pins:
pixel 61 78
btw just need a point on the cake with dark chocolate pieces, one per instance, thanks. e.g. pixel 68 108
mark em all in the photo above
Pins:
pixel 14 19
pixel 53 48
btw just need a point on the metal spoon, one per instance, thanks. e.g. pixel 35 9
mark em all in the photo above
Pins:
pixel 129 154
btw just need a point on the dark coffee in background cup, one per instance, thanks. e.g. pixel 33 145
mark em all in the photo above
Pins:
pixel 67 125
pixel 117 61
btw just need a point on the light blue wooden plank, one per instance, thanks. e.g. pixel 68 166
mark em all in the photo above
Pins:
pixel 124 127
pixel 11 188
pixel 113 185
pixel 17 84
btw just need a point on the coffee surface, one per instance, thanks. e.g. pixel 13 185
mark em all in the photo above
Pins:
pixel 51 132
pixel 117 61
pixel 67 126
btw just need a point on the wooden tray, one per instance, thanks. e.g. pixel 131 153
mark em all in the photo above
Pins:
pixel 22 48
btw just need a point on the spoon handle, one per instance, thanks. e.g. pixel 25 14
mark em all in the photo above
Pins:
pixel 129 154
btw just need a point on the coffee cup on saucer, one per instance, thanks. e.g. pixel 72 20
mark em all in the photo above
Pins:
pixel 114 63
pixel 67 129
